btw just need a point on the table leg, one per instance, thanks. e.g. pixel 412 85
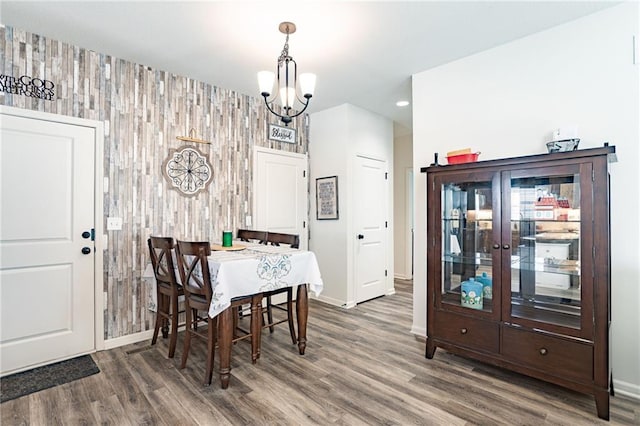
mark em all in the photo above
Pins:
pixel 225 335
pixel 256 326
pixel 302 311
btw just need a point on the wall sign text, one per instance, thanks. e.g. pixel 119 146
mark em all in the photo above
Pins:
pixel 28 86
pixel 282 134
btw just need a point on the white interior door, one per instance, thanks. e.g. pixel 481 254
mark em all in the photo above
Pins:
pixel 280 193
pixel 371 217
pixel 47 202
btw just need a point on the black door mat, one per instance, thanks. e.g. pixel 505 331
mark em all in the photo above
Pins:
pixel 48 376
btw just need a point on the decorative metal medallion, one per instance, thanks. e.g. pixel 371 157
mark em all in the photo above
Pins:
pixel 187 170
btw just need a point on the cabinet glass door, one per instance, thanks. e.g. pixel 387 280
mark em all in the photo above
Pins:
pixel 545 229
pixel 467 234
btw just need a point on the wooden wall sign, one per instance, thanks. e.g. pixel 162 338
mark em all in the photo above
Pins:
pixel 282 134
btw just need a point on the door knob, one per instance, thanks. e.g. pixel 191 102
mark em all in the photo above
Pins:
pixel 86 234
pixel 86 250
pixel 360 237
pixel 506 246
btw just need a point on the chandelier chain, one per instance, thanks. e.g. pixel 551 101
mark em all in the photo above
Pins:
pixel 285 50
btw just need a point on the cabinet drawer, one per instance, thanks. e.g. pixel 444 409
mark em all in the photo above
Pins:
pixel 553 355
pixel 467 331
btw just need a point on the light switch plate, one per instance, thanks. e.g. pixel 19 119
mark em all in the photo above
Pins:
pixel 114 224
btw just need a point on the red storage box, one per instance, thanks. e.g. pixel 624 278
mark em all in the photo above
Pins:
pixel 463 158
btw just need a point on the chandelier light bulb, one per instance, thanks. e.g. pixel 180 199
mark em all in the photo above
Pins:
pixel 265 82
pixel 307 83
pixel 287 96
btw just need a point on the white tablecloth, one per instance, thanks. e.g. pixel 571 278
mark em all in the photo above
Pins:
pixel 256 269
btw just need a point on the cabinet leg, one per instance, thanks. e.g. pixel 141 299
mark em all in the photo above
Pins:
pixel 602 403
pixel 431 349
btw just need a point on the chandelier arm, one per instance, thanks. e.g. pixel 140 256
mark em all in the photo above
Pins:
pixel 266 102
pixel 304 101
pixel 273 98
pixel 287 118
pixel 306 104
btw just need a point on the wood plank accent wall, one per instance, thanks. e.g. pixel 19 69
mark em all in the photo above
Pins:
pixel 143 110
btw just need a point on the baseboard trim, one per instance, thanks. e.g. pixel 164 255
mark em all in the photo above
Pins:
pixel 334 302
pixel 629 390
pixel 402 277
pixel 116 342
pixel 419 331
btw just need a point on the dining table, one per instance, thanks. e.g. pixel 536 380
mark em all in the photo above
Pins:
pixel 250 269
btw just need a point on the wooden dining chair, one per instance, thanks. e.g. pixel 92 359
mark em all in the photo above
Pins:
pixel 196 279
pixel 168 290
pixel 276 239
pixel 250 235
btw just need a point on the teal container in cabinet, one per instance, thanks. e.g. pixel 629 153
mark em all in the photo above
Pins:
pixel 471 295
pixel 487 285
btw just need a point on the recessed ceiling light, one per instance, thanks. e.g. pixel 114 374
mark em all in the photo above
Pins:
pixel 402 103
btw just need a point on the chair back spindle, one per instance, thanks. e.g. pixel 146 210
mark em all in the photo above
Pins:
pixel 194 269
pixel 160 250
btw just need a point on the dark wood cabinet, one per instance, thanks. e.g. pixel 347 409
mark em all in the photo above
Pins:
pixel 518 259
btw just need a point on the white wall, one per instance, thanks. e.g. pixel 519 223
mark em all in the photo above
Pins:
pixel 505 102
pixel 328 142
pixel 402 164
pixel 337 135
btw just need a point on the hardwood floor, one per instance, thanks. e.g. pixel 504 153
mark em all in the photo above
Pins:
pixel 362 367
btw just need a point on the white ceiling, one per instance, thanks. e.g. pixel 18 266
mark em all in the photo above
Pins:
pixel 363 52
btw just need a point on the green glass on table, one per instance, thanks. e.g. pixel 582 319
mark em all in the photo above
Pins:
pixel 227 238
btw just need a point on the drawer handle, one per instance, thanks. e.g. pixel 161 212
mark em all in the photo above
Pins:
pixel 543 351
pixel 496 246
pixel 463 331
pixel 506 246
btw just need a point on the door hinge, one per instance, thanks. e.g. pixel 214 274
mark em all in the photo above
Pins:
pixel 304 224
pixel 385 272
pixel 304 173
pixel 93 234
pixel 594 252
pixel 385 224
pixel 593 175
pixel 386 175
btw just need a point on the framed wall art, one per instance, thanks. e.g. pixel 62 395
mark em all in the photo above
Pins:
pixel 327 198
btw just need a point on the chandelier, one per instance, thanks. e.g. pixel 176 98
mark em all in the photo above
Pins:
pixel 287 82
